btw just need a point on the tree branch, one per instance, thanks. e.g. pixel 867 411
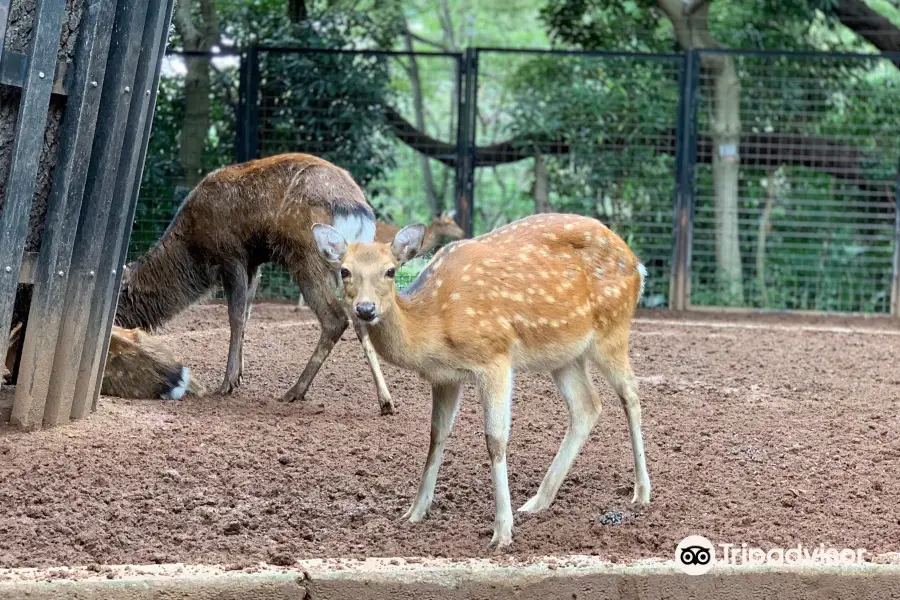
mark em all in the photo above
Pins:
pixel 447 25
pixel 857 16
pixel 427 42
pixel 766 150
pixel 412 70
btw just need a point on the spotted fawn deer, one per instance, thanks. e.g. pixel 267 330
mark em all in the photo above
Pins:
pixel 550 292
pixel 237 219
pixel 442 227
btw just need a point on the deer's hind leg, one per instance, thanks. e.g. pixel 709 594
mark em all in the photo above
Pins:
pixel 583 404
pixel 611 357
pixel 252 286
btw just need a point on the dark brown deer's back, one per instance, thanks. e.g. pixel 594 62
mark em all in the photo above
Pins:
pixel 277 199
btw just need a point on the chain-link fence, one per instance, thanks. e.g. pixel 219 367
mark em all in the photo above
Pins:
pixel 595 137
pixel 800 213
pixel 184 147
pixel 348 108
pixel 754 180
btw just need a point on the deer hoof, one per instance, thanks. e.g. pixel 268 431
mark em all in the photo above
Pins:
pixel 415 514
pixel 536 504
pixel 226 388
pixel 291 397
pixel 500 543
pixel 641 494
pixel 388 408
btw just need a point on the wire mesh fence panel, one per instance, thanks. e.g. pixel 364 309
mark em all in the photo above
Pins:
pixel 795 176
pixel 586 134
pixel 193 133
pixel 375 114
pixel 795 182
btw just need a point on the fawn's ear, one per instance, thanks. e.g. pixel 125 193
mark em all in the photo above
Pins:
pixel 332 245
pixel 450 214
pixel 408 242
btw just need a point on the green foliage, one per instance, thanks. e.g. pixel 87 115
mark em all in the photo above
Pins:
pixel 612 115
pixel 633 25
pixel 829 243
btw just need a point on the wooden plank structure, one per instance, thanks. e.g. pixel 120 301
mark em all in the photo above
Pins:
pixel 110 95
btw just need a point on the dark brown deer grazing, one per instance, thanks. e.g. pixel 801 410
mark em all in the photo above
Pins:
pixel 237 219
pixel 550 292
pixel 441 228
pixel 138 366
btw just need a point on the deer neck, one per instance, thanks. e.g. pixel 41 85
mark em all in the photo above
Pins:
pixel 430 240
pixel 166 281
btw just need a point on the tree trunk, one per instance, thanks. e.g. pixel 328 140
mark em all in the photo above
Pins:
pixel 541 185
pixel 690 22
pixel 195 127
pixel 726 135
pixel 412 71
pixel 196 36
pixel 297 11
pixel 869 24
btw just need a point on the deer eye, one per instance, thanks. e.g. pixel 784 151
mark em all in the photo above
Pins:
pixel 345 273
pixel 390 273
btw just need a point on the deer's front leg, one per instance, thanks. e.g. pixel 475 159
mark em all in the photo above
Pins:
pixel 384 396
pixel 234 282
pixel 495 390
pixel 444 406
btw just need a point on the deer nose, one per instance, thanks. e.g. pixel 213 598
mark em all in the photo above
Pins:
pixel 365 311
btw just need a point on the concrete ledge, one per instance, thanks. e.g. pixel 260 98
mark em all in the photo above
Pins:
pixel 565 577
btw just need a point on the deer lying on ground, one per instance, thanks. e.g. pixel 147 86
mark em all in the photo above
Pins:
pixel 550 292
pixel 237 219
pixel 137 366
pixel 442 227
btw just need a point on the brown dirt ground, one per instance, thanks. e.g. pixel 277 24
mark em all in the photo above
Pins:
pixel 770 435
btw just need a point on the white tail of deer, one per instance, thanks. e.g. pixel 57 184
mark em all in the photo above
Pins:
pixel 548 293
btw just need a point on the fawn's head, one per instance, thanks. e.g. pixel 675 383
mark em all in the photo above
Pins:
pixel 368 270
pixel 445 226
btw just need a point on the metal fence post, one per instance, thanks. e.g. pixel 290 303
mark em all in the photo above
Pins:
pixel 465 143
pixel 472 89
pixel 685 161
pixel 895 288
pixel 462 115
